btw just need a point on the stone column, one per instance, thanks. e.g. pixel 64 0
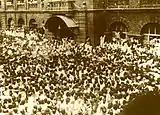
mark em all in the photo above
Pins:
pixel 15 15
pixel 81 21
pixel 26 8
pixel 4 15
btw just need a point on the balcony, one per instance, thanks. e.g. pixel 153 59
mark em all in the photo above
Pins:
pixel 9 6
pixel 150 3
pixel 61 5
pixel 118 6
pixel 21 6
pixel 32 5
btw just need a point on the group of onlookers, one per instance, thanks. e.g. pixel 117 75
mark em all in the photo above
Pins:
pixel 51 77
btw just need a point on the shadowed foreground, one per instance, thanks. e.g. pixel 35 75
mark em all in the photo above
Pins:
pixel 148 104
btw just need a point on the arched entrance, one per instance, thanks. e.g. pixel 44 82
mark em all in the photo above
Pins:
pixel 20 22
pixel 10 23
pixel 61 26
pixel 32 24
pixel 118 26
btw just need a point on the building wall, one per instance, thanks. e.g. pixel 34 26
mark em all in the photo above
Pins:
pixel 133 20
pixel 85 21
pixel 94 22
pixel 79 16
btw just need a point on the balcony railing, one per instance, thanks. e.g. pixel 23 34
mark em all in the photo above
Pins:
pixel 118 6
pixel 20 6
pixel 53 5
pixel 61 5
pixel 9 6
pixel 149 5
pixel 118 3
pixel 32 5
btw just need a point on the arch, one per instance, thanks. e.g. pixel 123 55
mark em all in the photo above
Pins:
pixel 32 23
pixel 118 26
pixel 120 19
pixel 10 22
pixel 21 22
pixel 61 26
pixel 150 28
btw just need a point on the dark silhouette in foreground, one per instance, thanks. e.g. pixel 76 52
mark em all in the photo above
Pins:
pixel 146 104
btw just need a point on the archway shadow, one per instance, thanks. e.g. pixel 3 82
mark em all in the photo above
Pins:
pixel 59 28
pixel 146 104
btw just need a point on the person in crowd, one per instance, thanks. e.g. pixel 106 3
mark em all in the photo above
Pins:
pixel 42 76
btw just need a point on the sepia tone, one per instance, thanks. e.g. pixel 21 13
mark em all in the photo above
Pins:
pixel 79 57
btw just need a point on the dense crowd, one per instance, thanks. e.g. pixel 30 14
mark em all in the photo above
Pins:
pixel 40 76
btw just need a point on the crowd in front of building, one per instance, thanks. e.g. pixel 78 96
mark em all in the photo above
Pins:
pixel 41 76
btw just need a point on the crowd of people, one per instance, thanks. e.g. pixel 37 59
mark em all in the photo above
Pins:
pixel 40 76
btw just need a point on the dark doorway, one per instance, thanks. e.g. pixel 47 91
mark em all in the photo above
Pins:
pixel 10 22
pixel 32 24
pixel 20 22
pixel 59 28
pixel 118 27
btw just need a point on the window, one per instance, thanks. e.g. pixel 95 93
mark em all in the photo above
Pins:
pixel 118 2
pixel 151 28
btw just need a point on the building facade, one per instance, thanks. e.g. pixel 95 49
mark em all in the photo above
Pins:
pixel 132 16
pixel 83 17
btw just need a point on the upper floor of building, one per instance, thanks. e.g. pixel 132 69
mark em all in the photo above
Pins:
pixel 107 4
pixel 37 5
pixel 31 5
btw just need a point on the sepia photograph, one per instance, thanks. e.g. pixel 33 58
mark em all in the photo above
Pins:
pixel 79 57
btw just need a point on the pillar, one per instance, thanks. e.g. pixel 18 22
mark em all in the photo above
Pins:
pixel 80 17
pixel 4 15
pixel 15 15
pixel 26 8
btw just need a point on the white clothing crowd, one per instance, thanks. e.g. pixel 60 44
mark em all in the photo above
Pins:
pixel 51 77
